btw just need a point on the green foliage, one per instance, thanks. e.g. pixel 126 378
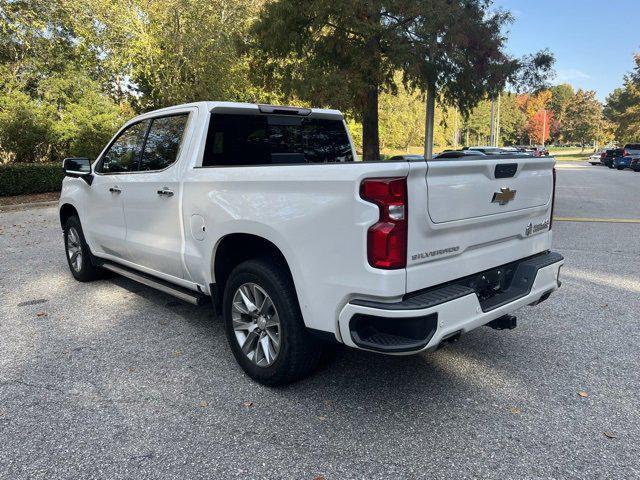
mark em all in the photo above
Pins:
pixel 25 127
pixel 346 53
pixel 583 118
pixel 561 97
pixel 22 179
pixel 623 107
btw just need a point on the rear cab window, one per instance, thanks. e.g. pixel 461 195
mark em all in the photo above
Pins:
pixel 270 139
pixel 163 142
pixel 146 146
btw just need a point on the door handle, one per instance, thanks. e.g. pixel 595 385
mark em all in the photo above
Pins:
pixel 166 192
pixel 115 189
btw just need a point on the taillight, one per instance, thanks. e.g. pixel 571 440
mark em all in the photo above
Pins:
pixel 603 155
pixel 387 239
pixel 553 198
pixel 624 153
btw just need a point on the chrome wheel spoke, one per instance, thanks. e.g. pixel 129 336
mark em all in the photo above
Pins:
pixel 274 337
pixel 273 321
pixel 250 343
pixel 245 295
pixel 240 325
pixel 266 349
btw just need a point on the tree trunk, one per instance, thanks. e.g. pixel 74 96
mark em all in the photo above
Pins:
pixel 370 136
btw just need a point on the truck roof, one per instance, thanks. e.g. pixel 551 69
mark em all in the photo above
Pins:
pixel 255 107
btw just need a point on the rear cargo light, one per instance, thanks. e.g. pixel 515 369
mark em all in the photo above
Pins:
pixel 387 239
pixel 553 198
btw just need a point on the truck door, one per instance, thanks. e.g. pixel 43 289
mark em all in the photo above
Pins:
pixel 104 224
pixel 152 205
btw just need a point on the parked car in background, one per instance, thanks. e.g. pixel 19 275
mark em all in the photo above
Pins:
pixel 610 154
pixel 410 157
pixel 487 150
pixel 596 158
pixel 540 151
pixel 459 154
pixel 631 149
pixel 621 161
pixel 525 149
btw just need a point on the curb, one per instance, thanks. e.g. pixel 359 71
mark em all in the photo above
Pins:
pixel 27 206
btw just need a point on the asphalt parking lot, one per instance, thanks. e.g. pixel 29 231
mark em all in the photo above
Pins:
pixel 114 380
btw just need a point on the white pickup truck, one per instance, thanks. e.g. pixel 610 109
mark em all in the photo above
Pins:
pixel 268 212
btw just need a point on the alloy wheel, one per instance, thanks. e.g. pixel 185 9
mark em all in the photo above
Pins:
pixel 74 249
pixel 256 324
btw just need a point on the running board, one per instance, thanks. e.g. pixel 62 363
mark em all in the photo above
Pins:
pixel 189 296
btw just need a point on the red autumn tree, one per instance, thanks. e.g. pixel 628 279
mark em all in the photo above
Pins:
pixel 537 123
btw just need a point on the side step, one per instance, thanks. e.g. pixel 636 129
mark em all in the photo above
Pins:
pixel 189 296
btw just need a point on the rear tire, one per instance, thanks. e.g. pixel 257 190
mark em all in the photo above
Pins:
pixel 264 325
pixel 79 258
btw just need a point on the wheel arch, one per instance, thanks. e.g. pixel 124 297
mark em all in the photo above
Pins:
pixel 67 210
pixel 235 248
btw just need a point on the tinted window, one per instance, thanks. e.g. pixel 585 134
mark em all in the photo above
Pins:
pixel 632 146
pixel 163 142
pixel 275 139
pixel 124 153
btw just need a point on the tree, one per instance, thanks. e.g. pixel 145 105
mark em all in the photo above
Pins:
pixel 623 107
pixel 584 118
pixel 400 119
pixel 335 53
pixel 561 97
pixel 539 126
pixel 512 120
pixel 458 54
pixel 51 104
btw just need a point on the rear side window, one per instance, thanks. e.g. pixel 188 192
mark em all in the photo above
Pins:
pixel 237 139
pixel 163 142
pixel 632 146
pixel 123 154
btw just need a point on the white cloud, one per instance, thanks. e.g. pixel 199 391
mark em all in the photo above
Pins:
pixel 568 74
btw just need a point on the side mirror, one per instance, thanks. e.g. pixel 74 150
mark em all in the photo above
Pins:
pixel 78 167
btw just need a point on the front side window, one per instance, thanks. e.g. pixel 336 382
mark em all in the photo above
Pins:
pixel 123 154
pixel 242 139
pixel 163 142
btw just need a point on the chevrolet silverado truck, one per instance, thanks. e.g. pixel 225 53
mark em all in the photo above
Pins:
pixel 267 213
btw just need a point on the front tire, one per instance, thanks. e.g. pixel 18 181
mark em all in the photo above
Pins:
pixel 264 324
pixel 79 257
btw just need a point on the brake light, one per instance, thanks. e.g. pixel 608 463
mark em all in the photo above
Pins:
pixel 387 239
pixel 553 198
pixel 625 153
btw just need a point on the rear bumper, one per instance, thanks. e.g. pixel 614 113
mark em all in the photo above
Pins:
pixel 421 321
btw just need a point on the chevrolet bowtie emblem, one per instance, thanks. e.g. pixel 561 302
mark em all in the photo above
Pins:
pixel 504 196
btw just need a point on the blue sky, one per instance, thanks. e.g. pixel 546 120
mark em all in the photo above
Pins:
pixel 593 40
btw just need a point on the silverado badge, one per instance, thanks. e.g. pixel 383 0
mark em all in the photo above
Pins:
pixel 504 196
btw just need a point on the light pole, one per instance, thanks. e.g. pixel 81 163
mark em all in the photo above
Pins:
pixel 492 138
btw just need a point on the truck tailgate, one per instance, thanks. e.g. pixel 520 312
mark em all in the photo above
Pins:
pixel 471 215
